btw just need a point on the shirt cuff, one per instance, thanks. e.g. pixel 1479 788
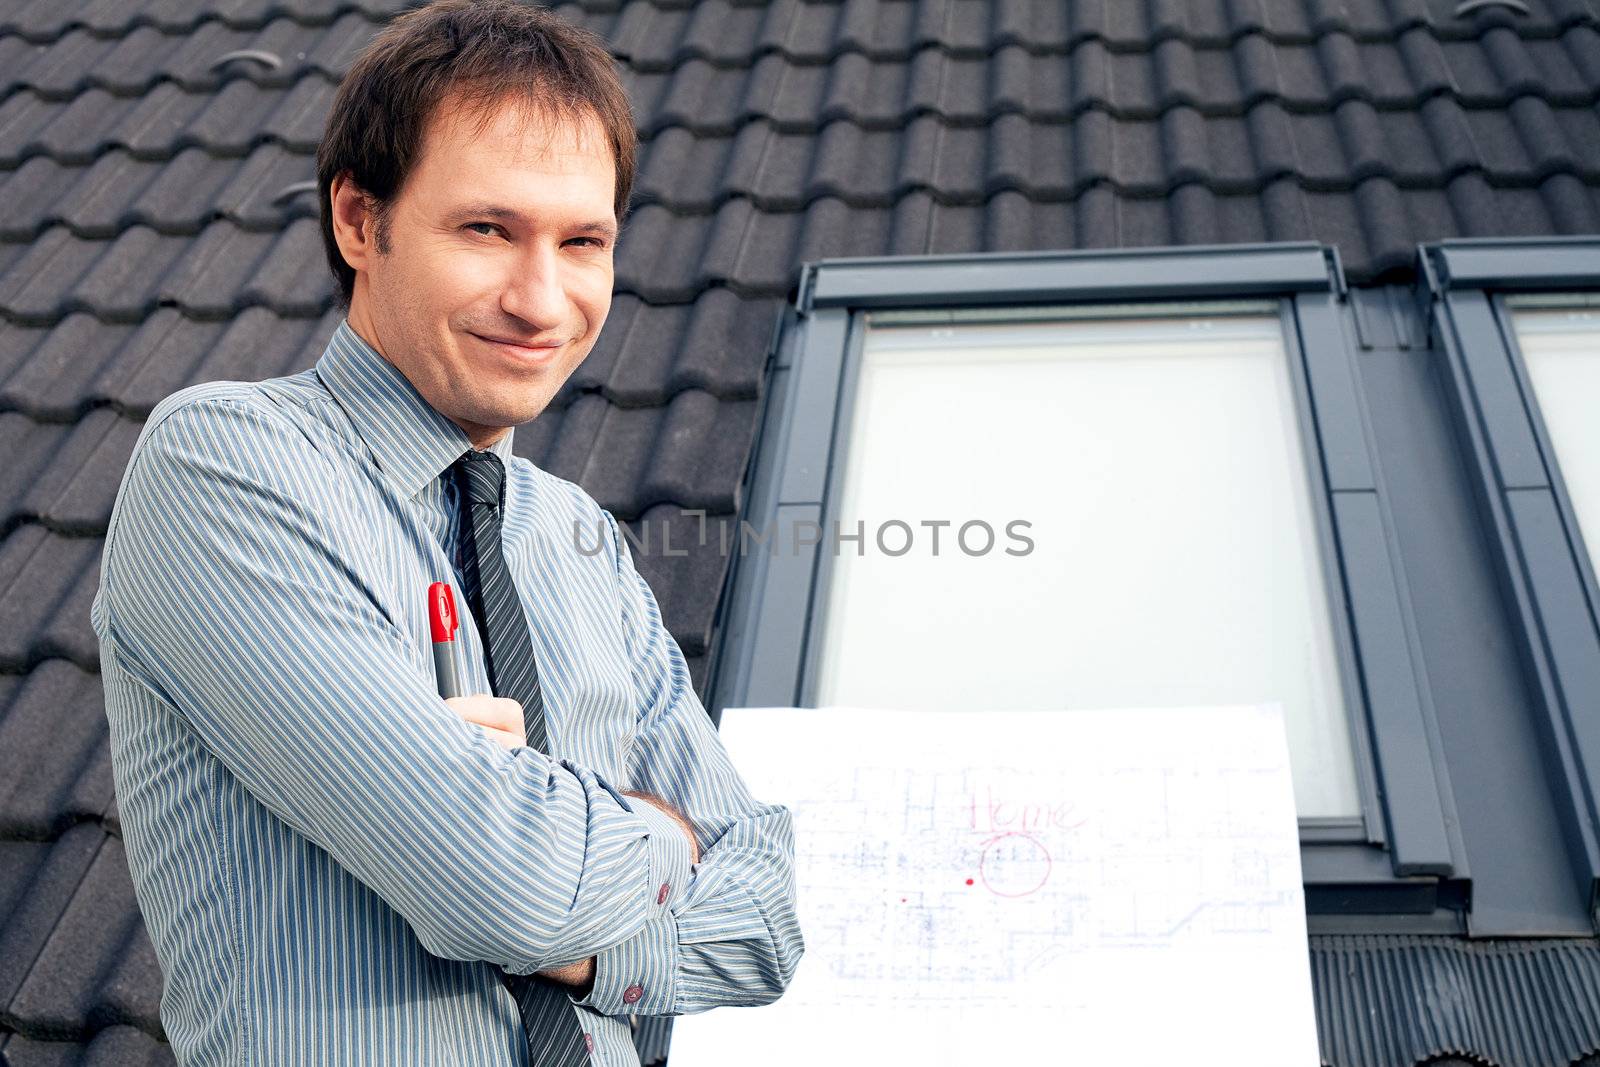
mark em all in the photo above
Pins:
pixel 640 975
pixel 669 853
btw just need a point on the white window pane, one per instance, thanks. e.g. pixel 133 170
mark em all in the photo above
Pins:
pixel 1174 561
pixel 1562 353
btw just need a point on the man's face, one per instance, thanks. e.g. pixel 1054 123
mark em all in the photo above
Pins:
pixel 498 270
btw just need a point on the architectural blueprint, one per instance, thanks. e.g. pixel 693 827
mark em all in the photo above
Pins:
pixel 1061 887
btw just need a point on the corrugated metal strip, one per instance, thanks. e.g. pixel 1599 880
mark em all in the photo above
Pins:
pixel 1388 1000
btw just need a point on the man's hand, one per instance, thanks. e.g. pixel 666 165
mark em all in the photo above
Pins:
pixel 500 718
pixel 580 975
pixel 678 817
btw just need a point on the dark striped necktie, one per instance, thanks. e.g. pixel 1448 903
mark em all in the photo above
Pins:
pixel 508 654
pixel 507 646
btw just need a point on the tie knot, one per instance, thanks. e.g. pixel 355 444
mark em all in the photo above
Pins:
pixel 482 476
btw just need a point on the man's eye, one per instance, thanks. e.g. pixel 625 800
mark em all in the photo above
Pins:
pixel 488 228
pixel 595 241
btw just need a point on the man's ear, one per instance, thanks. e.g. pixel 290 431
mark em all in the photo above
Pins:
pixel 354 224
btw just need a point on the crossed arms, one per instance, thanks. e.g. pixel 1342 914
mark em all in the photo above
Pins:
pixel 501 855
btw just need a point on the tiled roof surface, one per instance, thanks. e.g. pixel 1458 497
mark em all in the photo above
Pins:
pixel 156 230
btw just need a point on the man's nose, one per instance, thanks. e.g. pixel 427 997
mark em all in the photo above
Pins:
pixel 534 291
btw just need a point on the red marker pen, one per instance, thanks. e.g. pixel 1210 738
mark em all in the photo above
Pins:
pixel 442 620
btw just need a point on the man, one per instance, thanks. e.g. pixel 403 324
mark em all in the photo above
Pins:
pixel 335 864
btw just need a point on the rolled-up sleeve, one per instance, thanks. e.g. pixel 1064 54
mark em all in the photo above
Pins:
pixel 730 935
pixel 237 586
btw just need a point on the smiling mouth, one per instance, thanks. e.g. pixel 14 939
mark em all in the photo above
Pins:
pixel 517 344
pixel 520 348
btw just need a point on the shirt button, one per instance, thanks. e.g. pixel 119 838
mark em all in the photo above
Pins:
pixel 588 1042
pixel 632 994
pixel 661 894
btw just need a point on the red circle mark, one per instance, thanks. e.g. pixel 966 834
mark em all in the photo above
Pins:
pixel 984 859
pixel 969 881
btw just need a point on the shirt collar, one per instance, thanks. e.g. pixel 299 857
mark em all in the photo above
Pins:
pixel 407 436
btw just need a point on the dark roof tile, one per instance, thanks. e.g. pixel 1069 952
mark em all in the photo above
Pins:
pixel 37 880
pixel 124 278
pixel 1583 49
pixel 1274 152
pixel 1365 151
pixel 1347 70
pixel 45 20
pixel 16 53
pixel 648 37
pixel 693 173
pixel 114 1046
pixel 67 472
pixel 1510 57
pixel 665 257
pixel 1572 205
pixel 648 353
pixel 1178 76
pixel 180 195
pixel 55 757
pixel 1255 65
pixel 243 113
pixel 1470 200
pixel 97 968
pixel 631 459
pixel 56 577
pixel 705 98
pixel 1426 67
pixel 132 63
pixel 56 70
pixel 35 284
pixel 873 29
pixel 222 271
pixel 1185 148
pixel 661 33
pixel 164 121
pixel 685 556
pixel 60 371
pixel 884 94
pixel 1449 134
pixel 151 125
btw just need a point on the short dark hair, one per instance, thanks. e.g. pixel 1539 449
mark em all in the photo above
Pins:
pixel 485 51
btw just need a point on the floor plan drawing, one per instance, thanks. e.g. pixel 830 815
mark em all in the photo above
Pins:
pixel 960 870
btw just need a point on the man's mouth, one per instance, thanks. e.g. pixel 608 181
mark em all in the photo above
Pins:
pixel 523 351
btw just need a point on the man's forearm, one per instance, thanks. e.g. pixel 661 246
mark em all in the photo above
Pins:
pixel 738 937
pixel 731 940
pixel 580 976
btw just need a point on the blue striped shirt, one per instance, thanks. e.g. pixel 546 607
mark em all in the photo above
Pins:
pixel 330 859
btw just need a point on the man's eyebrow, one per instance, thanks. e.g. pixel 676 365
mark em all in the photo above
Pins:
pixel 604 228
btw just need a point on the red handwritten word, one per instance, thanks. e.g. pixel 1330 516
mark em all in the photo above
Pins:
pixel 991 814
